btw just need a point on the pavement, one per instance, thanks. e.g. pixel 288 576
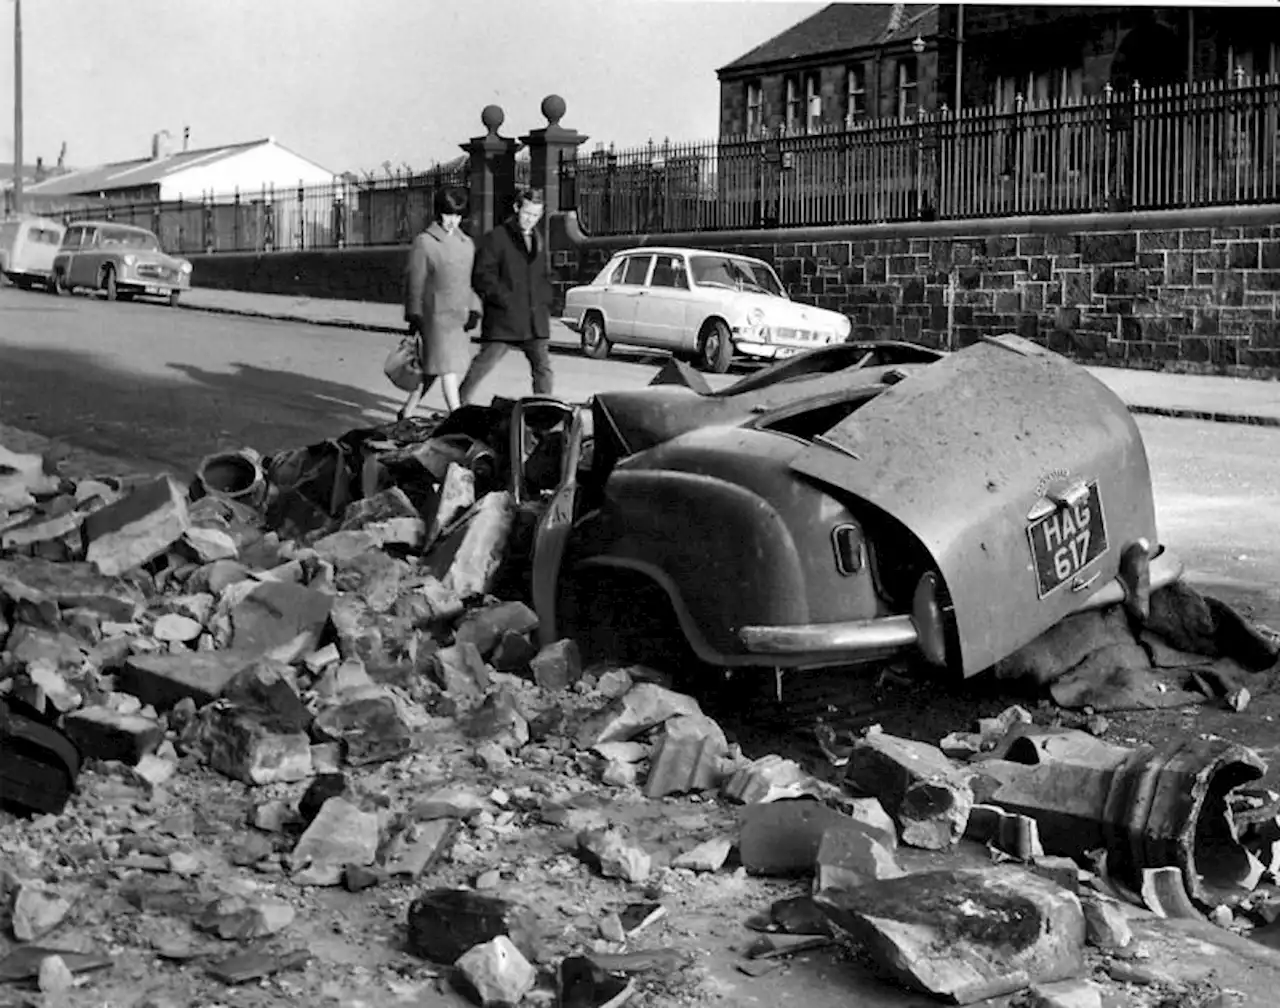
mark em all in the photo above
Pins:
pixel 1158 393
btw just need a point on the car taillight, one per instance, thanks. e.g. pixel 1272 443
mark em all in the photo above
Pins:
pixel 930 611
pixel 846 540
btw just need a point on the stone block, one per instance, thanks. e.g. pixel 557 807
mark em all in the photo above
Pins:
pixel 162 680
pixel 137 528
pixel 104 734
pixel 849 855
pixel 414 853
pixel 457 495
pixel 783 837
pixel 963 936
pixel 486 627
pixel 769 779
pixel 371 728
pixel 53 586
pixel 687 757
pixel 341 834
pixel 644 706
pixel 280 619
pixel 236 745
pixel 461 671
pixel 497 972
pixel 557 666
pixel 483 546
pixel 267 692
pixel 613 855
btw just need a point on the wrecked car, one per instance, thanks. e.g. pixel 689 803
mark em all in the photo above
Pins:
pixel 855 503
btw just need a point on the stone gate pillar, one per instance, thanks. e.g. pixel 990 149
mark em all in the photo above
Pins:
pixel 493 172
pixel 545 147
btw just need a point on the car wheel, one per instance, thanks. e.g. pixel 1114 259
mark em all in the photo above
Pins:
pixel 595 344
pixel 715 348
pixel 621 617
pixel 173 299
pixel 60 286
pixel 109 284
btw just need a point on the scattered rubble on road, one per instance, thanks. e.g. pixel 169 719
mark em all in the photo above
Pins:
pixel 292 732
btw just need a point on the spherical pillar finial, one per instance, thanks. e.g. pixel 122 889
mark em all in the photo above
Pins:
pixel 492 117
pixel 553 109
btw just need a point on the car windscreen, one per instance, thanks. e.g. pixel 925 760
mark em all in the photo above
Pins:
pixel 119 237
pixel 734 273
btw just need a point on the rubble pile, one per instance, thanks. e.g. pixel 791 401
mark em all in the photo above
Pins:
pixel 294 730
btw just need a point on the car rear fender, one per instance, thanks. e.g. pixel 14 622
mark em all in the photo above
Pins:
pixel 708 543
pixel 967 451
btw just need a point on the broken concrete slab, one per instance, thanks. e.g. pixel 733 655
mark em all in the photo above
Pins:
pixel 613 855
pixel 370 727
pixel 246 750
pixel 162 680
pixel 1014 834
pixel 456 496
pixel 483 546
pixel 644 706
pixel 1077 993
pixel 486 626
pixel 850 856
pixel 772 778
pixel 965 935
pixel 280 619
pixel 341 834
pixel 36 910
pixel 708 856
pixel 686 757
pixel 416 852
pixel 461 671
pixel 382 506
pixel 1106 923
pixel 267 691
pixel 444 923
pixel 104 734
pixel 41 582
pixel 137 528
pixel 927 794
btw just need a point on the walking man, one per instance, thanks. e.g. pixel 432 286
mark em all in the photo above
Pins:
pixel 513 280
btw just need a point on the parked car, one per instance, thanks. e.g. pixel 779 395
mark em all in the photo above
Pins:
pixel 855 503
pixel 120 260
pixel 27 249
pixel 702 306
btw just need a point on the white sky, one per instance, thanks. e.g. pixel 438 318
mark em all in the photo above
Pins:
pixel 352 84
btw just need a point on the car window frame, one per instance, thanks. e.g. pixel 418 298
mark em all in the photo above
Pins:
pixel 616 266
pixel 682 270
pixel 75 229
pixel 648 270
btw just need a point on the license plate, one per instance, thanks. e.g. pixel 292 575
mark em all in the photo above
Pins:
pixel 1066 541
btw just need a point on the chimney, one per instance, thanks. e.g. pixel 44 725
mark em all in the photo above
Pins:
pixel 62 157
pixel 897 19
pixel 158 149
pixel 40 172
pixel 155 146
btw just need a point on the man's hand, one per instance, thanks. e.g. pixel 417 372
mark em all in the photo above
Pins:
pixel 473 320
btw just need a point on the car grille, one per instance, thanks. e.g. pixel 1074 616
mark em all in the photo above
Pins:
pixel 154 271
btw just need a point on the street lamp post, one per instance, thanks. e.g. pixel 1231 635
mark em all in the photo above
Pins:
pixel 17 106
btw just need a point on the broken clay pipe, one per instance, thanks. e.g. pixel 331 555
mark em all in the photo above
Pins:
pixel 1148 807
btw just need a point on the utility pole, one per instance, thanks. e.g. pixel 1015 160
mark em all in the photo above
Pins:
pixel 17 106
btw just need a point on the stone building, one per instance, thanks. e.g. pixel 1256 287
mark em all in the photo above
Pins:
pixel 851 63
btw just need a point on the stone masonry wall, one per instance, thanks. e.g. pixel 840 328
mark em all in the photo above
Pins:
pixel 1184 290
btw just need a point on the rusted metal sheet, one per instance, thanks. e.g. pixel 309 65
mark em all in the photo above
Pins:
pixel 1023 475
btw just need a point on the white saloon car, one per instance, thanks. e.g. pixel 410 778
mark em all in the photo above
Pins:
pixel 702 305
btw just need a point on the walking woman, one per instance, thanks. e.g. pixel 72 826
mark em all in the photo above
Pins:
pixel 439 304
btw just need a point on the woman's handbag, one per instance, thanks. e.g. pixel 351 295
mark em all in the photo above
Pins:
pixel 402 366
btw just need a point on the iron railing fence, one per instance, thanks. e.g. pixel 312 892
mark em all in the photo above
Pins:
pixel 1203 144
pixel 374 211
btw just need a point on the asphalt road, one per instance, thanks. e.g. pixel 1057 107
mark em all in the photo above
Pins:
pixel 160 388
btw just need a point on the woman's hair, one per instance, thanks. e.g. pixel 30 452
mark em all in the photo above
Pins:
pixel 450 200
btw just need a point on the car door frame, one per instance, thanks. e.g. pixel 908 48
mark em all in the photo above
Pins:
pixel 83 271
pixel 620 328
pixel 670 307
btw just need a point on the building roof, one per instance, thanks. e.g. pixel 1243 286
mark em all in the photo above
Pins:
pixel 839 27
pixel 141 171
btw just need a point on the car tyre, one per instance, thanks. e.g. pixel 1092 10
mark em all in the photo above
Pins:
pixel 595 344
pixel 715 348
pixel 174 297
pixel 60 286
pixel 109 284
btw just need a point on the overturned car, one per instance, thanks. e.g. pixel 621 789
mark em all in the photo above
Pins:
pixel 856 503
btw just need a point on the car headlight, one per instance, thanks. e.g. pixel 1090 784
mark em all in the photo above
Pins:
pixel 185 267
pixel 755 317
pixel 130 259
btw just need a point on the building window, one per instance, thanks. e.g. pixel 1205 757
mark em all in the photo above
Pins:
pixel 793 119
pixel 812 103
pixel 855 106
pixel 908 88
pixel 755 108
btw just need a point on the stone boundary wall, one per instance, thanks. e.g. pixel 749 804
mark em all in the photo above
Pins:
pixel 1195 290
pixel 375 273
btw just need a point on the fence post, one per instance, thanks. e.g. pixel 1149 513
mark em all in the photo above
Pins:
pixel 235 220
pixel 269 220
pixel 340 215
pixel 302 216
pixel 548 147
pixel 493 171
pixel 206 221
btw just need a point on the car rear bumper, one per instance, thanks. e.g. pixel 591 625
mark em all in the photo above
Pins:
pixel 827 641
